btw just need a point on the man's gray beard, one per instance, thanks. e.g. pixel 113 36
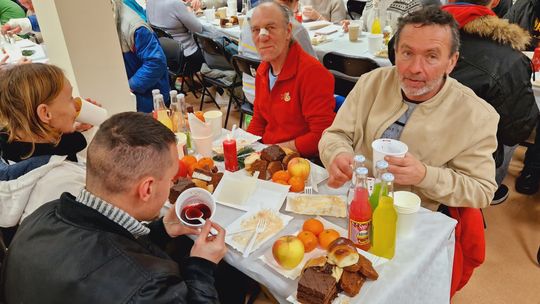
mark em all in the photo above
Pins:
pixel 421 91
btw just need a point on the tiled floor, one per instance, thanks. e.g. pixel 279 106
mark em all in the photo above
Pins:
pixel 510 273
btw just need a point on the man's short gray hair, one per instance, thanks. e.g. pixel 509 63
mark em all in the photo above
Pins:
pixel 285 11
pixel 430 15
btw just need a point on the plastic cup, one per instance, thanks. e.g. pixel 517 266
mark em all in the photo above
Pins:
pixel 194 196
pixel 203 145
pixel 232 8
pixel 375 43
pixel 222 12
pixel 181 140
pixel 407 205
pixel 90 113
pixel 214 118
pixel 354 31
pixel 241 20
pixel 385 146
pixel 210 14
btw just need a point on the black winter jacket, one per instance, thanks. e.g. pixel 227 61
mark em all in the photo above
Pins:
pixel 492 65
pixel 66 252
pixel 522 13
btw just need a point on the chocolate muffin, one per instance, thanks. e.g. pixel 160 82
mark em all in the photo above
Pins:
pixel 316 287
pixel 180 186
pixel 351 282
pixel 272 153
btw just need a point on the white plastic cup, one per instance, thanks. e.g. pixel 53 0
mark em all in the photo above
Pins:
pixel 385 146
pixel 90 113
pixel 407 205
pixel 181 140
pixel 354 32
pixel 194 196
pixel 210 14
pixel 232 8
pixel 214 118
pixel 375 43
pixel 203 145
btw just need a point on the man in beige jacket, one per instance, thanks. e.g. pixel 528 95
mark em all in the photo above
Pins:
pixel 450 132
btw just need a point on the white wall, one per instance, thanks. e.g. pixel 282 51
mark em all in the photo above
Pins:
pixel 81 38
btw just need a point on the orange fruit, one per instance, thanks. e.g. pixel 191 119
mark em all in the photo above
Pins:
pixel 327 236
pixel 297 184
pixel 309 239
pixel 281 175
pixel 188 160
pixel 313 225
pixel 192 168
pixel 206 162
pixel 200 115
pixel 280 181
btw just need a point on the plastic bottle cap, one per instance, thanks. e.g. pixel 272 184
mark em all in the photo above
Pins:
pixel 381 164
pixel 387 177
pixel 359 158
pixel 362 171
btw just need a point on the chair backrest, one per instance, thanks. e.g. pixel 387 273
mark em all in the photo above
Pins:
pixel 174 54
pixel 243 64
pixel 213 52
pixel 160 32
pixel 355 7
pixel 347 70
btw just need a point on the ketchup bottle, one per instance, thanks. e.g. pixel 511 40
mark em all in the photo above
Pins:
pixel 360 212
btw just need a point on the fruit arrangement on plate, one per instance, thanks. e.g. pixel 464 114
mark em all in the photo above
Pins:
pixel 193 173
pixel 282 166
pixel 342 269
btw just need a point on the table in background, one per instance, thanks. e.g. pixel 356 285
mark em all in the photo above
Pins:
pixel 337 42
pixel 25 44
pixel 420 272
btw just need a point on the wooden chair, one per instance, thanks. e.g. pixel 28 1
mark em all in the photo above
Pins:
pixel 347 70
pixel 243 64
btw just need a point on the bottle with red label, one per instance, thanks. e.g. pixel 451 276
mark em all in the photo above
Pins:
pixel 360 212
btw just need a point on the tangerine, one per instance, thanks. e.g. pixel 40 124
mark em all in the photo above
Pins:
pixel 297 184
pixel 188 160
pixel 282 182
pixel 327 236
pixel 206 162
pixel 313 225
pixel 309 239
pixel 281 175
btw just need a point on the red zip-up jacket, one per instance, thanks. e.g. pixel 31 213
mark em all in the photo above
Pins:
pixel 300 106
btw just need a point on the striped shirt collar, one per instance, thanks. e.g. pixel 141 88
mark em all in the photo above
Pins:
pixel 113 213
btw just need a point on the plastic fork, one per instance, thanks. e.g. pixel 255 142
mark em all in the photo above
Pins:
pixel 261 226
pixel 308 190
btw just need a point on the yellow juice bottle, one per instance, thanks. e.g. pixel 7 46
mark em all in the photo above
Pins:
pixel 161 111
pixel 385 220
pixel 376 26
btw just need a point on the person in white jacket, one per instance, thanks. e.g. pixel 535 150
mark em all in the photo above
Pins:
pixel 39 140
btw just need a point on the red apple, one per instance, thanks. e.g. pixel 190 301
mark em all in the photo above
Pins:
pixel 288 251
pixel 299 167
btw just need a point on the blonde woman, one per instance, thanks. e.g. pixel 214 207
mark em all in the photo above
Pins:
pixel 38 140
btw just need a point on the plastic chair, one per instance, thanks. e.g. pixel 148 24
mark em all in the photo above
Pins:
pixel 176 63
pixel 161 32
pixel 347 70
pixel 243 64
pixel 356 7
pixel 215 52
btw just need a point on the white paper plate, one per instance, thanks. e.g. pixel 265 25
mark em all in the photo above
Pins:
pixel 236 226
pixel 294 273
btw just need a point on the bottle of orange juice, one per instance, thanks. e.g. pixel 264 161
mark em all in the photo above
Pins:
pixel 360 212
pixel 161 111
pixel 384 220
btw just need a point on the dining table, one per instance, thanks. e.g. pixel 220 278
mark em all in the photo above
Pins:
pixel 17 48
pixel 420 271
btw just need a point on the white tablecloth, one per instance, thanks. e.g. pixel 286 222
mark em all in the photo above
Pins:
pixel 15 51
pixel 420 272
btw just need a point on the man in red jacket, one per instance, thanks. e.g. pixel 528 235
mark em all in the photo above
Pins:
pixel 294 101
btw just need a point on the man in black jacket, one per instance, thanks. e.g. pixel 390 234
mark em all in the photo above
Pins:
pixel 492 65
pixel 526 13
pixel 93 248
